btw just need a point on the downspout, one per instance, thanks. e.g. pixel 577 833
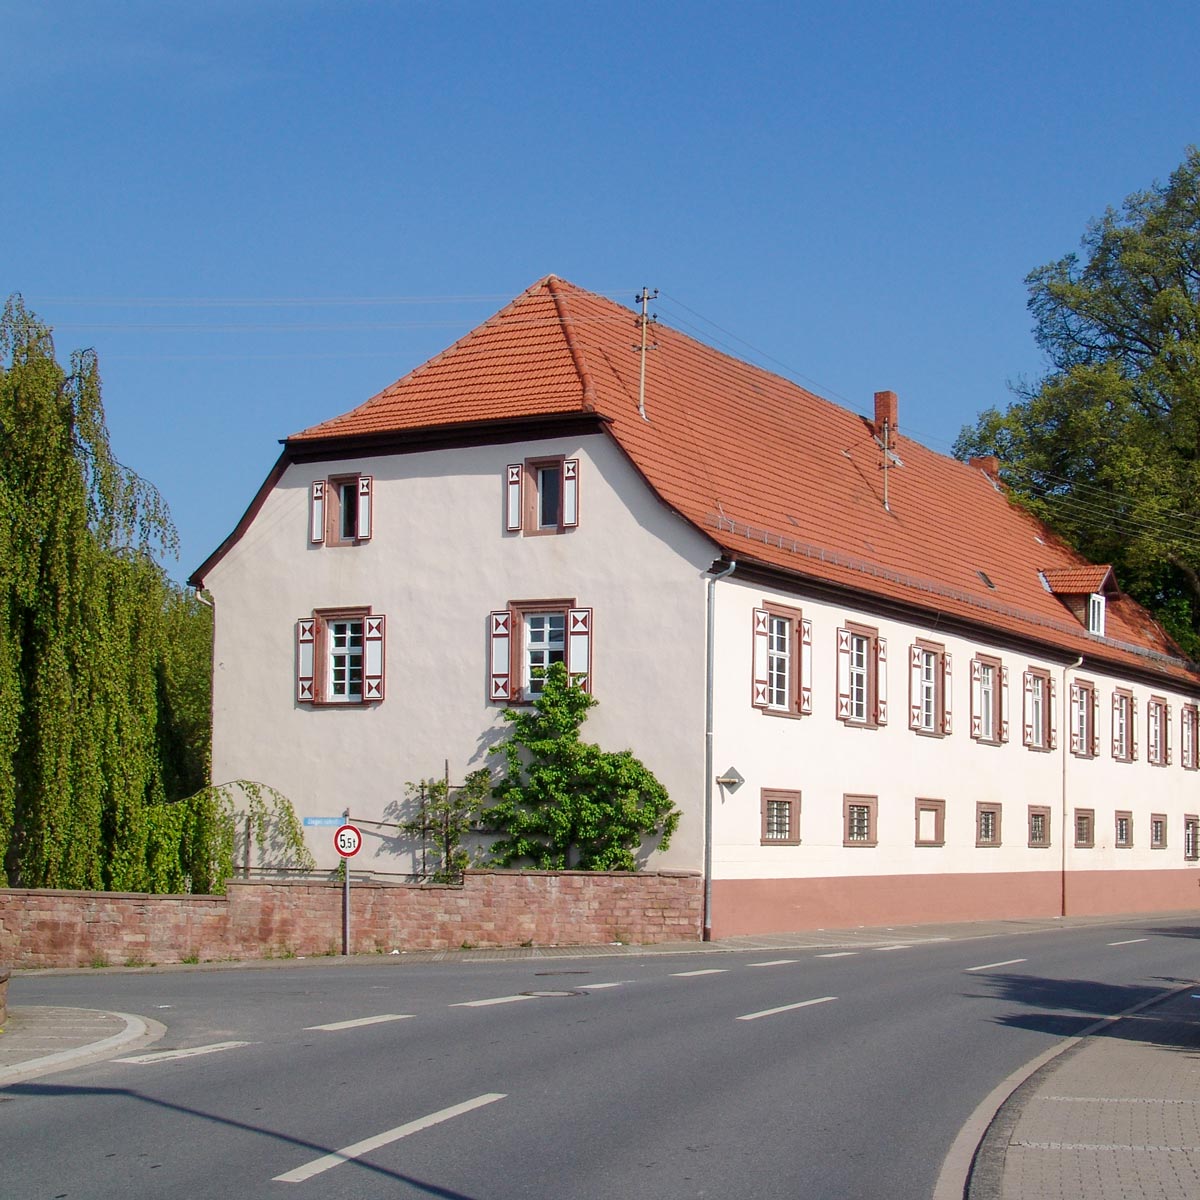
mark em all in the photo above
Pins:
pixel 1067 732
pixel 708 744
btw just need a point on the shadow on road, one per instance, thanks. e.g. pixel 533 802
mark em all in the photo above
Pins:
pixel 61 1092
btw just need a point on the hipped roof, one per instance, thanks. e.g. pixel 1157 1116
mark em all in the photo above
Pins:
pixel 773 474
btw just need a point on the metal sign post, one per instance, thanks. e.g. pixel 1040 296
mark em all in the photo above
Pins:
pixel 347 841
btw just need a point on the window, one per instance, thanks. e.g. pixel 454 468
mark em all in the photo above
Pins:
pixel 861 676
pixel 780 817
pixel 931 822
pixel 929 689
pixel 1040 731
pixel 858 817
pixel 1124 724
pixel 1191 836
pixel 541 495
pixel 987 824
pixel 529 637
pixel 782 683
pixel 1187 736
pixel 340 510
pixel 1158 831
pixel 989 700
pixel 1158 727
pixel 1123 831
pixel 1085 826
pixel 1039 826
pixel 1095 618
pixel 339 657
pixel 1085 736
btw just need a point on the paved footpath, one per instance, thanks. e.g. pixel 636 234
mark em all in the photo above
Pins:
pixel 1113 1114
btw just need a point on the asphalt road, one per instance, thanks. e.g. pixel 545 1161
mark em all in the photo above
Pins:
pixel 812 1073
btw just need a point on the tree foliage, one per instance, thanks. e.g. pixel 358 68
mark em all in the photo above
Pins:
pixel 104 663
pixel 1105 448
pixel 446 817
pixel 563 803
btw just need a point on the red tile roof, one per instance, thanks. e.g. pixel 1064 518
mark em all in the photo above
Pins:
pixel 1078 581
pixel 772 473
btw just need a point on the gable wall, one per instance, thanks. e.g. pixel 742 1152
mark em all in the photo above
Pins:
pixel 438 562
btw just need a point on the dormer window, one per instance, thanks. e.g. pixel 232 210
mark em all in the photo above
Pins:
pixel 1095 622
pixel 1084 590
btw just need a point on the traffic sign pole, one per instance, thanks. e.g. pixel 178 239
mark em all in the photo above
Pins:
pixel 345 883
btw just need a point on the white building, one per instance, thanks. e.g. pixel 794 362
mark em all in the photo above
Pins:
pixel 936 709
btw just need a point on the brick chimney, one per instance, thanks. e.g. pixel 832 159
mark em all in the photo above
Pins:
pixel 887 412
pixel 989 464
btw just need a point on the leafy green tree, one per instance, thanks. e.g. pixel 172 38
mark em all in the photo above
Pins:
pixel 564 803
pixel 1105 448
pixel 104 663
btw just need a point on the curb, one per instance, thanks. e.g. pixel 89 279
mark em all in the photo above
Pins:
pixel 138 1031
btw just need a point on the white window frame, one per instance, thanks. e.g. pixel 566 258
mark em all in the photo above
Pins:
pixel 547 649
pixel 1095 610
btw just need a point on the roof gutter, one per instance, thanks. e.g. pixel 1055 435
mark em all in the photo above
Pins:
pixel 708 740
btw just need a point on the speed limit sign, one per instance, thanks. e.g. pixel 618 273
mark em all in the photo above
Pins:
pixel 347 840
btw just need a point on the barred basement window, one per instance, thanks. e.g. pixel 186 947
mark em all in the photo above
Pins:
pixel 1039 826
pixel 1158 831
pixel 1084 828
pixel 1191 837
pixel 780 817
pixel 987 824
pixel 1123 833
pixel 859 814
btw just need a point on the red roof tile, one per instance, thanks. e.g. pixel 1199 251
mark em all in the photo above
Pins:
pixel 1077 581
pixel 771 472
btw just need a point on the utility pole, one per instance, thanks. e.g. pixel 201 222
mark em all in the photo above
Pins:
pixel 643 299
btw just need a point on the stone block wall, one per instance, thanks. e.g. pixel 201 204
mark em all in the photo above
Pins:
pixel 44 928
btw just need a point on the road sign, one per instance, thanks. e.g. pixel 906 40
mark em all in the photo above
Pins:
pixel 347 841
pixel 323 820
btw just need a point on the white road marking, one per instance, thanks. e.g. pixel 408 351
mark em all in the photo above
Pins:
pixel 379 1020
pixel 1008 962
pixel 775 962
pixel 595 987
pixel 770 1012
pixel 691 974
pixel 1129 942
pixel 838 954
pixel 493 1000
pixel 192 1051
pixel 348 1153
pixel 893 947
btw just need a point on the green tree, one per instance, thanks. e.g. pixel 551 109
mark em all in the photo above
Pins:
pixel 1105 448
pixel 104 663
pixel 564 803
pixel 446 816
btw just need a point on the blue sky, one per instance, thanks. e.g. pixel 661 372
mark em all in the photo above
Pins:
pixel 260 213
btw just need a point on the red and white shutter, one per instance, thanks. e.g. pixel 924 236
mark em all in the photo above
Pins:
pixel 1166 734
pixel 947 693
pixel 1117 701
pixel 373 645
pixel 500 655
pixel 805 667
pixel 365 483
pixel 881 682
pixel 1076 701
pixel 306 636
pixel 579 647
pixel 759 694
pixel 1095 722
pixel 843 674
pixel 1004 704
pixel 916 658
pixel 1027 713
pixel 316 512
pixel 976 698
pixel 570 493
pixel 1052 692
pixel 1133 724
pixel 512 498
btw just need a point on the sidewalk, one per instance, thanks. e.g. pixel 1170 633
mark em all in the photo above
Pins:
pixel 38 1041
pixel 1114 1116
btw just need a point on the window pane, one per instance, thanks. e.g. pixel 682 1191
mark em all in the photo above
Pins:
pixel 778 662
pixel 859 659
pixel 549 496
pixel 859 823
pixel 928 690
pixel 348 510
pixel 545 645
pixel 779 823
pixel 345 660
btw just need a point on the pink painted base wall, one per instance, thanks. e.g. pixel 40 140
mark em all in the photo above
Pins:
pixel 785 905
pixel 259 920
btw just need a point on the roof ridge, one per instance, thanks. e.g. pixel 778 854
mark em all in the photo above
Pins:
pixel 552 283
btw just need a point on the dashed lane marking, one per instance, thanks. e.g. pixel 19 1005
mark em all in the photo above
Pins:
pixel 358 1149
pixel 838 954
pixel 1008 962
pixel 775 962
pixel 692 974
pixel 158 1056
pixel 770 1012
pixel 357 1021
pixel 487 1003
pixel 1129 942
pixel 595 987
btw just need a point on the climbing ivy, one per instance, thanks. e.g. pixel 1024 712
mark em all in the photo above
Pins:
pixel 563 803
pixel 104 663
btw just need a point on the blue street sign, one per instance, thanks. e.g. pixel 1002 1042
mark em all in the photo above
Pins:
pixel 323 820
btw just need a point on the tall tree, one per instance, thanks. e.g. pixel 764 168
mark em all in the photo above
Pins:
pixel 91 634
pixel 1106 446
